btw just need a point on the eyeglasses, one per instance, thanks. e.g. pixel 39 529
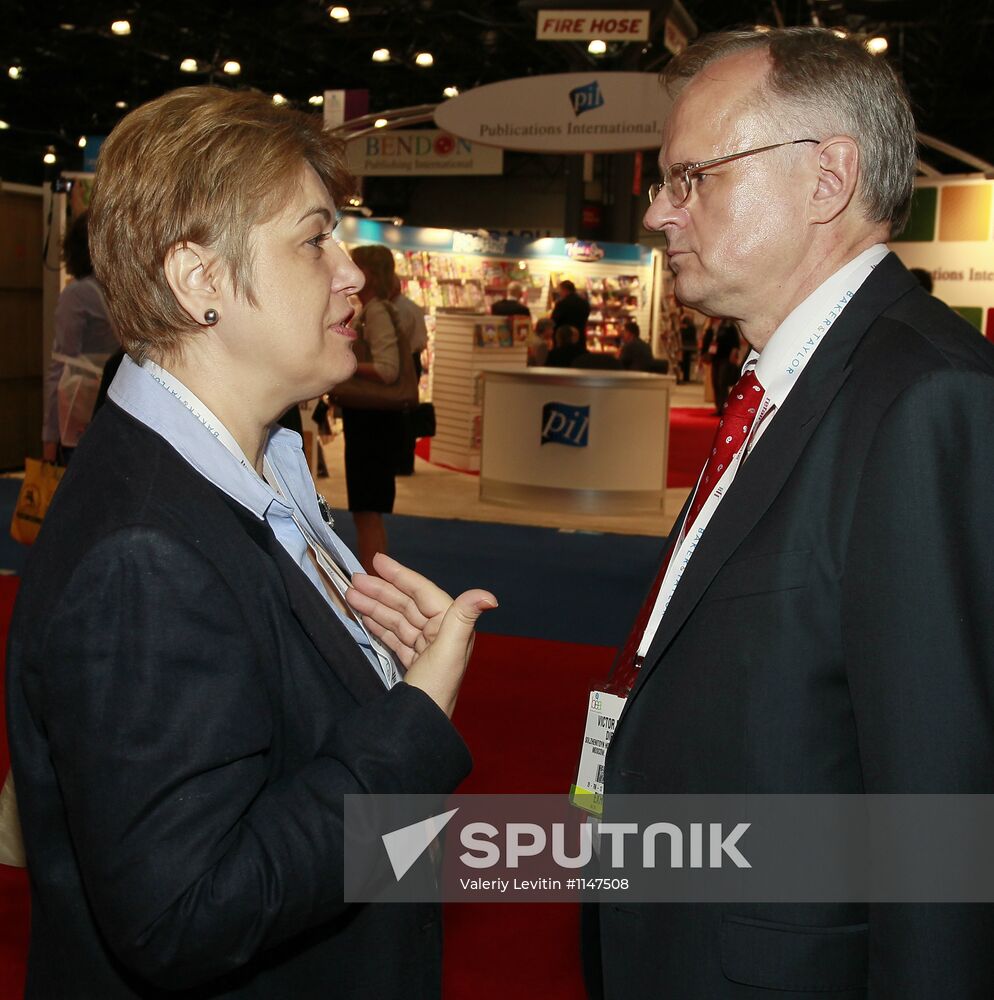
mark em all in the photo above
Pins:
pixel 678 176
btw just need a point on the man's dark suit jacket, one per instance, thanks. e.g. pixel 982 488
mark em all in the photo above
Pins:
pixel 186 714
pixel 833 633
pixel 572 310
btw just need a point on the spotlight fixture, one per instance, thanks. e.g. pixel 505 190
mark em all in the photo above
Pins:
pixel 81 142
pixel 424 59
pixel 121 27
pixel 381 55
pixel 67 27
pixel 49 156
pixel 339 14
pixel 450 92
pixel 279 99
pixel 597 47
pixel 121 105
pixel 232 67
pixel 316 100
pixel 380 123
pixel 839 33
pixel 15 72
pixel 876 45
pixel 188 65
pixel 4 125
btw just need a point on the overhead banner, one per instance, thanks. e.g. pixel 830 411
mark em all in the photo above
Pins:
pixel 584 25
pixel 561 113
pixel 420 152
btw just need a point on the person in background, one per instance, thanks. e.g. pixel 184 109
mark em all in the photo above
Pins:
pixel 412 319
pixel 540 342
pixel 572 310
pixel 82 330
pixel 923 277
pixel 821 619
pixel 688 344
pixel 725 362
pixel 635 354
pixel 374 439
pixel 511 304
pixel 190 694
pixel 561 356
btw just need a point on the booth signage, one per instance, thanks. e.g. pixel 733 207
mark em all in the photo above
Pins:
pixel 951 235
pixel 583 25
pixel 420 152
pixel 563 423
pixel 561 113
pixel 341 106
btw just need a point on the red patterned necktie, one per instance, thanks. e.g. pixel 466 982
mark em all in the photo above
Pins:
pixel 732 433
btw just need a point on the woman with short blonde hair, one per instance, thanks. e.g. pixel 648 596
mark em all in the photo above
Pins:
pixel 195 678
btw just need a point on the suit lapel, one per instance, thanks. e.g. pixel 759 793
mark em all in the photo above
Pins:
pixel 761 478
pixel 322 626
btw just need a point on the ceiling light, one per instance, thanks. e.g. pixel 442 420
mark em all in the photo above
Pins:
pixel 15 72
pixel 424 58
pixel 450 92
pixel 380 123
pixel 279 99
pixel 877 45
pixel 597 47
pixel 315 100
pixel 762 28
pixel 398 221
pixel 232 67
pixel 355 201
pixel 4 125
pixel 121 104
pixel 68 27
pixel 121 27
pixel 49 157
pixel 381 55
pixel 839 33
pixel 340 14
pixel 188 65
pixel 81 142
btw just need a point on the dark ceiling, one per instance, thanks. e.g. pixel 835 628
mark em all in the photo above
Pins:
pixel 75 70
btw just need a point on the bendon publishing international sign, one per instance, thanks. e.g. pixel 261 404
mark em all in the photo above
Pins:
pixel 561 113
pixel 419 152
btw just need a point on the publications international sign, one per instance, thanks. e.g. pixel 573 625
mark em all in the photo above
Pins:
pixel 420 152
pixel 561 113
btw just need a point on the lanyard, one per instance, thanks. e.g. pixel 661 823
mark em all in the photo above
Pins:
pixel 816 318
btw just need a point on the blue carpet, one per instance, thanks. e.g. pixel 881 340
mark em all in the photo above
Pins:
pixel 12 554
pixel 565 586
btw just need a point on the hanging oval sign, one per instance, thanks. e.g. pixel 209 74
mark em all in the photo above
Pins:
pixel 561 113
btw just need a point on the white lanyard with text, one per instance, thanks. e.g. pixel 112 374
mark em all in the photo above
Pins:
pixel 800 353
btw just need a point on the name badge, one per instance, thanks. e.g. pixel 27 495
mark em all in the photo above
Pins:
pixel 603 712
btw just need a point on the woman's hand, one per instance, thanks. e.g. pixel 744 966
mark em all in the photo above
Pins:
pixel 429 632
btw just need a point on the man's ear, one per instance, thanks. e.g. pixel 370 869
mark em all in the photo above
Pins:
pixel 838 173
pixel 192 272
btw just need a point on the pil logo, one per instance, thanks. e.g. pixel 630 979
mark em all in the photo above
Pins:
pixel 565 424
pixel 586 98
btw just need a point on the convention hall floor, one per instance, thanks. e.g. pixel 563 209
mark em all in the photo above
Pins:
pixel 437 492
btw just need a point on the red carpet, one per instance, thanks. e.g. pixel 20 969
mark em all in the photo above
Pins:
pixel 691 430
pixel 521 712
pixel 13 881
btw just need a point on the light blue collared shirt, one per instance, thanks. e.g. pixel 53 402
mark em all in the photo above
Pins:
pixel 137 391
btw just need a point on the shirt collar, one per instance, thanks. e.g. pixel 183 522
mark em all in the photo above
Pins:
pixel 176 414
pixel 815 315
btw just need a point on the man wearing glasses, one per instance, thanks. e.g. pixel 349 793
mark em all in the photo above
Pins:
pixel 822 621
